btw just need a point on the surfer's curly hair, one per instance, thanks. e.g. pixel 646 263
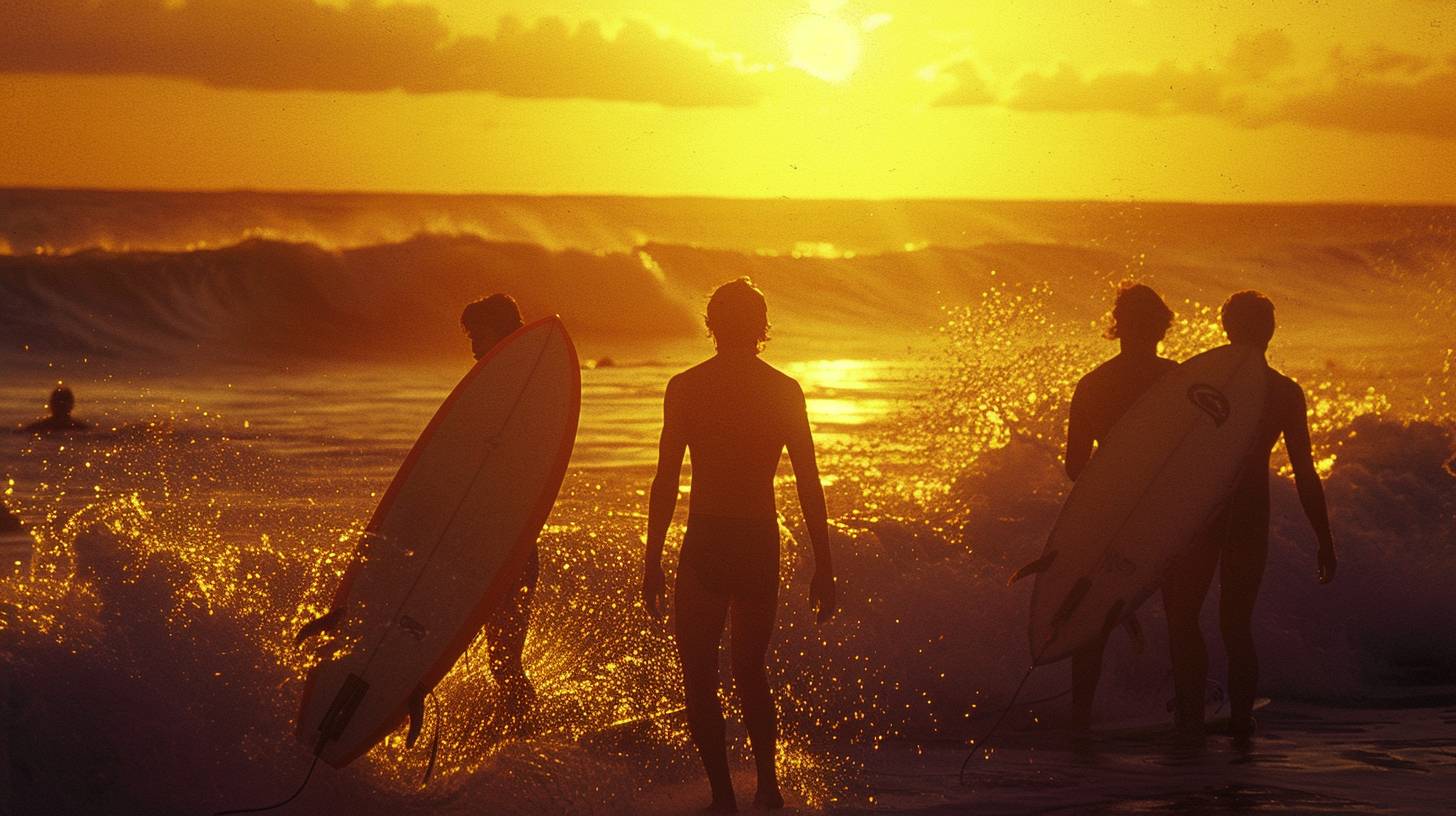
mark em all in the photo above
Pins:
pixel 1248 317
pixel 495 314
pixel 1139 313
pixel 738 315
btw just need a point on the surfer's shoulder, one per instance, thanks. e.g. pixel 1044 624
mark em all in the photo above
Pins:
pixel 1285 393
pixel 789 386
pixel 688 376
pixel 1282 384
pixel 1095 378
pixel 677 384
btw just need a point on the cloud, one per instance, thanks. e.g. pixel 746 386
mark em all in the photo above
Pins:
pixel 363 46
pixel 1165 89
pixel 1390 101
pixel 970 89
pixel 1377 90
pixel 1257 54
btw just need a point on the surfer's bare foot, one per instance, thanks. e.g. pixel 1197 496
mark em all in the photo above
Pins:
pixel 1242 732
pixel 768 798
pixel 1189 733
pixel 720 804
pixel 1081 741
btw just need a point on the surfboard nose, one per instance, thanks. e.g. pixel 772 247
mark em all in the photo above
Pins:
pixel 558 326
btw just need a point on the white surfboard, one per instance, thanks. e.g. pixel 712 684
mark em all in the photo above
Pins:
pixel 1164 470
pixel 447 540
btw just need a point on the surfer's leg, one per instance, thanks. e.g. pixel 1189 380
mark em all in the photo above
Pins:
pixel 505 634
pixel 1086 672
pixel 1183 592
pixel 753 623
pixel 698 618
pixel 1244 557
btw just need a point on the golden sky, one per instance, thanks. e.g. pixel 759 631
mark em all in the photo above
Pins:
pixel 1151 99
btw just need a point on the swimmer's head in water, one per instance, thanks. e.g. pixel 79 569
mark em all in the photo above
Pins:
pixel 738 316
pixel 490 320
pixel 1139 315
pixel 1248 317
pixel 62 402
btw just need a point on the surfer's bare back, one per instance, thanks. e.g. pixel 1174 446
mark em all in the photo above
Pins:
pixel 736 414
pixel 1237 542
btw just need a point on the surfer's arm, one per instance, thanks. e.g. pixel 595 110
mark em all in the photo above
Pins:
pixel 811 502
pixel 1307 481
pixel 663 500
pixel 1079 436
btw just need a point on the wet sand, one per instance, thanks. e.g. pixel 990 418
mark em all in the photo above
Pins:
pixel 1397 757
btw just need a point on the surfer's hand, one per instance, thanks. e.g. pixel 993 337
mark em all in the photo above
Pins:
pixel 1327 563
pixel 654 589
pixel 821 594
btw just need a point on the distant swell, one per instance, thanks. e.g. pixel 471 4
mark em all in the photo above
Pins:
pixel 266 301
pixel 263 300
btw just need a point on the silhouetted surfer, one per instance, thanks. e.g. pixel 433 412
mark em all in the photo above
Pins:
pixel 1140 319
pixel 487 322
pixel 1238 539
pixel 62 402
pixel 736 414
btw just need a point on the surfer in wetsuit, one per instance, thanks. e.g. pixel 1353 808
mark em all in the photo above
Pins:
pixel 1140 319
pixel 736 414
pixel 1237 542
pixel 62 402
pixel 487 322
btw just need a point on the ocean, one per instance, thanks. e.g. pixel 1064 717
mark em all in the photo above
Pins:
pixel 255 366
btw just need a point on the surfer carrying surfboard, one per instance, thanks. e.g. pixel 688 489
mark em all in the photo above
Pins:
pixel 1237 542
pixel 487 322
pixel 1140 319
pixel 736 414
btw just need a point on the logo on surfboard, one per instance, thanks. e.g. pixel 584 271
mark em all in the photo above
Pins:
pixel 412 627
pixel 1210 401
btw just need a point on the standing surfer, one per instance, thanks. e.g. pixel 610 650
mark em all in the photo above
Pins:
pixel 487 322
pixel 1237 542
pixel 736 414
pixel 1140 319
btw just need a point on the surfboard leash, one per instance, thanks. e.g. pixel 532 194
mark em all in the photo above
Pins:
pixel 434 738
pixel 980 746
pixel 295 795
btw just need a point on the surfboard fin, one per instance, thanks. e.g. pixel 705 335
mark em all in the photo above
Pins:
pixel 1037 566
pixel 1135 632
pixel 416 718
pixel 322 623
pixel 1110 622
pixel 1069 604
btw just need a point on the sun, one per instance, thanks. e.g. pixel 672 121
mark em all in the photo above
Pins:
pixel 823 44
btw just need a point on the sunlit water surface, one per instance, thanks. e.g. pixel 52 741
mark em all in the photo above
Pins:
pixel 179 545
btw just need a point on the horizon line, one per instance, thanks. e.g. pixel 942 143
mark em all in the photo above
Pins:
pixel 222 191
